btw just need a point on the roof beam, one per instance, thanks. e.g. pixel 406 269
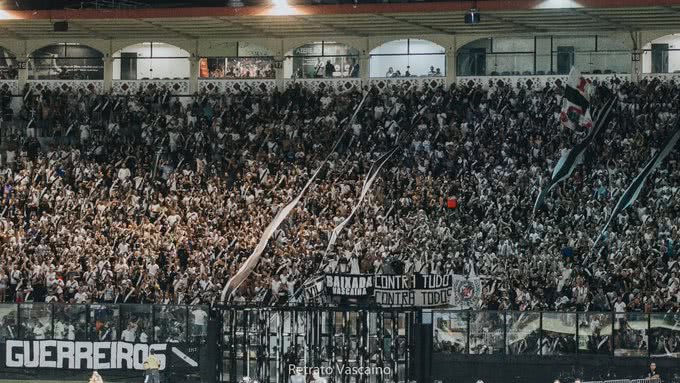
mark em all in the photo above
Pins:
pixel 90 30
pixel 415 24
pixel 525 27
pixel 12 33
pixel 251 29
pixel 601 19
pixel 347 32
pixel 166 29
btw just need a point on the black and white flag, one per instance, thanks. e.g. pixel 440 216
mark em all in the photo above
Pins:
pixel 633 191
pixel 573 157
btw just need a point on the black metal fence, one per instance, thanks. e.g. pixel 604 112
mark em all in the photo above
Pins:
pixel 268 343
pixel 631 334
pixel 389 344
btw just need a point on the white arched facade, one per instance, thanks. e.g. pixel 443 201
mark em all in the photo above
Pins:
pixel 662 55
pixel 408 58
pixel 151 60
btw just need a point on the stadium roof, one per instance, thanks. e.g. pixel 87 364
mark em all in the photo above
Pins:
pixel 362 19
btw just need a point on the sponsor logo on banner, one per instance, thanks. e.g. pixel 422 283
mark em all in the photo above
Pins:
pixel 76 355
pixel 349 285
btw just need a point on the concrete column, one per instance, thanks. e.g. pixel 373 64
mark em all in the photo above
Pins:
pixel 23 71
pixel 450 65
pixel 279 61
pixel 636 58
pixel 108 73
pixel 194 67
pixel 364 69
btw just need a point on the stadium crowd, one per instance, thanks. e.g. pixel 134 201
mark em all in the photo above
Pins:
pixel 148 198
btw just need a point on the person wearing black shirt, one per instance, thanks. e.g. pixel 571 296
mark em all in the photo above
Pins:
pixel 653 373
pixel 330 68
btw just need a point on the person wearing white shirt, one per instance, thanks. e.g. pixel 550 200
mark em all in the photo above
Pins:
pixel 620 309
pixel 128 335
pixel 124 174
pixel 200 322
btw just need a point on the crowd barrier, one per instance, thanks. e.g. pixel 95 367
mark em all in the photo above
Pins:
pixel 184 87
pixel 67 342
pixel 556 333
pixel 226 343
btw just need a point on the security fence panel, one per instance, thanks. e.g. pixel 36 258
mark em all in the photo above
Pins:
pixel 136 323
pixel 487 332
pixel 523 332
pixel 66 342
pixel 170 323
pixel 631 336
pixel 451 330
pixel 276 344
pixel 595 333
pixel 558 333
pixel 70 322
pixel 36 321
pixel 665 335
pixel 9 322
pixel 105 320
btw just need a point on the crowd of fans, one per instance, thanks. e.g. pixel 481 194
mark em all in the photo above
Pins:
pixel 154 198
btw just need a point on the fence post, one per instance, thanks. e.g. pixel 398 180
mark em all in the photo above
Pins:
pixel 51 306
pixel 505 332
pixel 187 331
pixel 578 340
pixel 467 338
pixel 153 323
pixel 650 336
pixel 613 347
pixel 540 332
pixel 219 312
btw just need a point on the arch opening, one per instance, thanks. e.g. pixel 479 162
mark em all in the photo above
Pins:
pixel 544 55
pixel 322 59
pixel 237 60
pixel 151 60
pixel 662 55
pixel 408 58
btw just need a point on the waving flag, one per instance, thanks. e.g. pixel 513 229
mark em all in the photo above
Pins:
pixel 254 258
pixel 573 157
pixel 576 101
pixel 633 191
pixel 368 182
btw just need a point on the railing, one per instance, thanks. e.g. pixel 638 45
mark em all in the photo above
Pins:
pixel 339 85
pixel 407 83
pixel 95 86
pixel 556 333
pixel 535 80
pixel 177 86
pixel 626 381
pixel 183 86
pixel 10 85
pixel 235 85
